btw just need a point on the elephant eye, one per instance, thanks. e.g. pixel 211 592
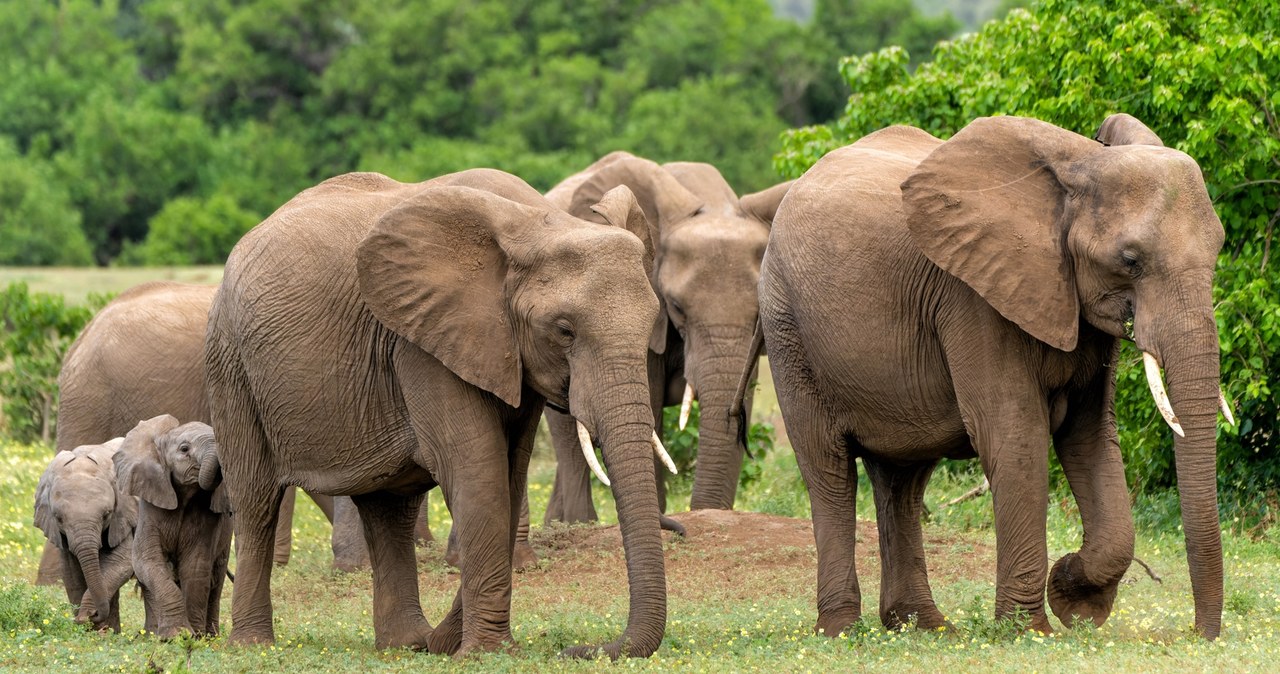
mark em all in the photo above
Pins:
pixel 564 330
pixel 184 448
pixel 1130 261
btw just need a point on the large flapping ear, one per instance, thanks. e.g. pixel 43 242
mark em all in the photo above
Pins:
pixel 763 205
pixel 44 518
pixel 662 198
pixel 619 208
pixel 140 469
pixel 1122 129
pixel 433 270
pixel 986 206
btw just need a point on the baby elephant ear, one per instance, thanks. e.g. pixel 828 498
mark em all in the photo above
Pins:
pixel 124 517
pixel 1122 129
pixel 763 205
pixel 433 270
pixel 140 469
pixel 987 206
pixel 44 518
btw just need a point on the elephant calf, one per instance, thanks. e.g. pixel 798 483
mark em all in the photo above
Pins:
pixel 90 521
pixel 183 536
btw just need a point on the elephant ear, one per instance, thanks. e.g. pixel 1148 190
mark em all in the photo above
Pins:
pixel 763 205
pixel 44 518
pixel 140 468
pixel 987 205
pixel 1122 129
pixel 619 208
pixel 124 517
pixel 433 270
pixel 662 198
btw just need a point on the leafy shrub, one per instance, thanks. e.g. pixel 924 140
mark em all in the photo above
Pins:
pixel 192 231
pixel 25 610
pixel 682 444
pixel 38 328
pixel 38 224
pixel 1205 76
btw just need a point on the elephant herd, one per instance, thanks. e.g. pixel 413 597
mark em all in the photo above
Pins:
pixel 918 300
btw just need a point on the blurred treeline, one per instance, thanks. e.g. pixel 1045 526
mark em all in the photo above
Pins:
pixel 159 131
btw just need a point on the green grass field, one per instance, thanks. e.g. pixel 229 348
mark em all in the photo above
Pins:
pixel 76 283
pixel 741 587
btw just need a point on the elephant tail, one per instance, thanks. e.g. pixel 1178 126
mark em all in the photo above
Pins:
pixel 231 576
pixel 739 409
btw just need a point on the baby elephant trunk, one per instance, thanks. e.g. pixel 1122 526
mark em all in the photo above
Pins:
pixel 210 469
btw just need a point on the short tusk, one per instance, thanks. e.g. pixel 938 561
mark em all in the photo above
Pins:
pixel 1226 408
pixel 584 439
pixel 685 405
pixel 662 454
pixel 1157 391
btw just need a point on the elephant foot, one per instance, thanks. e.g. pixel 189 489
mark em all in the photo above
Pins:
pixel 668 524
pixel 242 636
pixel 416 636
pixel 167 632
pixel 836 623
pixel 1072 596
pixel 447 637
pixel 352 558
pixel 478 646
pixel 523 557
pixel 924 617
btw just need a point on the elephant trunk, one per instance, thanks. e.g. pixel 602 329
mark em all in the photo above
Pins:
pixel 1189 352
pixel 210 469
pixel 85 541
pixel 720 448
pixel 625 432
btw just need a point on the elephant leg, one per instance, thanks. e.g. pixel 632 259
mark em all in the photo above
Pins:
pixel 452 552
pixel 904 582
pixel 284 527
pixel 72 577
pixel 571 499
pixel 832 478
pixel 221 555
pixel 388 530
pixel 1084 584
pixel 447 637
pixel 117 569
pixel 50 571
pixel 421 527
pixel 324 502
pixel 350 553
pixel 523 557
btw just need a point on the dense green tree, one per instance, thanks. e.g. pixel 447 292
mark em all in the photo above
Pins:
pixel 1204 76
pixel 38 224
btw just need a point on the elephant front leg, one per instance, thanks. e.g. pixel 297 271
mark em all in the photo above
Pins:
pixel 397 610
pixel 1084 584
pixel 904 582
pixel 571 499
pixel 350 552
pixel 165 600
pixel 117 569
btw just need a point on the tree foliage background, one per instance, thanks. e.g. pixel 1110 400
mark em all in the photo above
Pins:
pixel 159 131
pixel 1205 76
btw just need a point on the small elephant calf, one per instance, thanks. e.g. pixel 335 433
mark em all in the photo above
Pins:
pixel 183 536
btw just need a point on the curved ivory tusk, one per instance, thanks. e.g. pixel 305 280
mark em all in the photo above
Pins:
pixel 662 454
pixel 584 439
pixel 686 404
pixel 1158 392
pixel 1226 408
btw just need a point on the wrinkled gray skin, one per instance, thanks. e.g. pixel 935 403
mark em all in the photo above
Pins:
pixel 183 536
pixel 89 522
pixel 142 355
pixel 376 339
pixel 922 299
pixel 705 274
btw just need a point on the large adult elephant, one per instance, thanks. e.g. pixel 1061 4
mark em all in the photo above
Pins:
pixel 923 299
pixel 141 356
pixel 710 243
pixel 375 338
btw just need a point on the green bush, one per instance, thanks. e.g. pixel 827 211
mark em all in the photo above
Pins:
pixel 1205 76
pixel 38 224
pixel 192 231
pixel 38 328
pixel 682 445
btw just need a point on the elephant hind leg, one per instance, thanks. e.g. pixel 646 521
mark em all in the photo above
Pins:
pixel 50 572
pixel 904 582
pixel 397 610
pixel 284 527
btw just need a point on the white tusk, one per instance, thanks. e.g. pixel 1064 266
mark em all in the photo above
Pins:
pixel 584 439
pixel 662 454
pixel 1226 408
pixel 685 405
pixel 1157 391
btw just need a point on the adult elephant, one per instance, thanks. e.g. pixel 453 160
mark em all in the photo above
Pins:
pixel 376 338
pixel 923 299
pixel 141 356
pixel 710 243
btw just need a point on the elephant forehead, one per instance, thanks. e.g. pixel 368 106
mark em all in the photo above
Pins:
pixel 81 487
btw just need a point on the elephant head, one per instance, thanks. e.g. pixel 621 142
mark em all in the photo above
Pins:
pixel 166 463
pixel 1052 228
pixel 705 273
pixel 507 292
pixel 81 509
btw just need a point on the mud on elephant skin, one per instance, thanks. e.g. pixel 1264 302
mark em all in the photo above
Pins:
pixel 376 338
pixel 923 299
pixel 183 537
pixel 707 263
pixel 89 522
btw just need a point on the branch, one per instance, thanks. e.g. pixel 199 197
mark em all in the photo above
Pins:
pixel 1149 571
pixel 971 494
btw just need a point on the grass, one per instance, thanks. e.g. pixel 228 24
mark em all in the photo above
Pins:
pixel 76 283
pixel 741 598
